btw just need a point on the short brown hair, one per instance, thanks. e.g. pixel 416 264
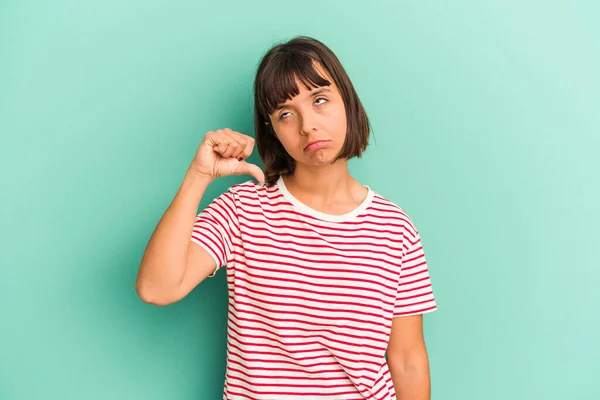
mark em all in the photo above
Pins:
pixel 275 83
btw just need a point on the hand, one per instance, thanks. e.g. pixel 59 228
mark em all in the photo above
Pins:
pixel 223 152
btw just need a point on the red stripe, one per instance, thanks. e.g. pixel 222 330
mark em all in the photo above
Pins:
pixel 245 387
pixel 415 311
pixel 289 320
pixel 309 261
pixel 296 385
pixel 414 266
pixel 345 237
pixel 231 276
pixel 250 367
pixel 422 271
pixel 299 249
pixel 203 238
pixel 294 377
pixel 225 223
pixel 283 329
pixel 416 288
pixel 305 299
pixel 236 300
pixel 295 358
pixel 240 395
pixel 352 247
pixel 407 260
pixel 312 276
pixel 416 295
pixel 300 282
pixel 310 374
pixel 269 317
pixel 271 361
pixel 401 284
pixel 406 305
pixel 279 235
pixel 248 329
pixel 273 193
pixel 256 223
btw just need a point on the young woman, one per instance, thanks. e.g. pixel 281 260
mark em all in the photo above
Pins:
pixel 327 279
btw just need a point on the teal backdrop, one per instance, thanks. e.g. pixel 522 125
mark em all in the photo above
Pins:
pixel 486 117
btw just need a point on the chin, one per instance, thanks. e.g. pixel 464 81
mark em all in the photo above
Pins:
pixel 321 157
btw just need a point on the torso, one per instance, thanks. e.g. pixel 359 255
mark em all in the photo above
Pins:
pixel 312 295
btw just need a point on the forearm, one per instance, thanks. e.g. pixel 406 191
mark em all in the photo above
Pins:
pixel 164 261
pixel 410 375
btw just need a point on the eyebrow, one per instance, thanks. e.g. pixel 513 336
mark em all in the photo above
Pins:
pixel 313 93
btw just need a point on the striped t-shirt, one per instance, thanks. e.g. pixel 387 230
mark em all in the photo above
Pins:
pixel 312 295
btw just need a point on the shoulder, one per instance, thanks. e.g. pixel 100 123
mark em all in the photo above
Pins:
pixel 249 186
pixel 383 207
pixel 251 190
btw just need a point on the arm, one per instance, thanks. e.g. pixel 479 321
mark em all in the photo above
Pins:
pixel 171 267
pixel 407 359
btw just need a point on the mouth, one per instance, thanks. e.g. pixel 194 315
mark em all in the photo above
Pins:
pixel 315 145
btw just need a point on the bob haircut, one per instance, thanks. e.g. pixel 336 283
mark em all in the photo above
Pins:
pixel 275 83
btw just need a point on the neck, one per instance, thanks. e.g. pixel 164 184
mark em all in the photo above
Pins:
pixel 323 182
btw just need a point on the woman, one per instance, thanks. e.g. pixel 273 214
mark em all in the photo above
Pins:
pixel 324 274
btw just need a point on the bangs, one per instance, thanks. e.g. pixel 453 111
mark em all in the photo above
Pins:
pixel 278 84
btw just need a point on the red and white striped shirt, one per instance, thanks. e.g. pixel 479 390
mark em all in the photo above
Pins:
pixel 312 295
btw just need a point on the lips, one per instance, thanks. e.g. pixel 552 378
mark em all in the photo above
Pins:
pixel 316 144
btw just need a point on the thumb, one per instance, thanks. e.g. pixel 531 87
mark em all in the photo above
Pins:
pixel 250 169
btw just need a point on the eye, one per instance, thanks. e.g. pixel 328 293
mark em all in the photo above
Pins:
pixel 282 116
pixel 320 98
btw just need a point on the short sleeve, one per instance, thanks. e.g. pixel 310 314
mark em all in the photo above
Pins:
pixel 415 293
pixel 215 228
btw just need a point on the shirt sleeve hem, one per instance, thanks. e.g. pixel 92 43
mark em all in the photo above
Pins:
pixel 212 254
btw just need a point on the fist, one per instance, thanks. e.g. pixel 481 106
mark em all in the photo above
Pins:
pixel 223 152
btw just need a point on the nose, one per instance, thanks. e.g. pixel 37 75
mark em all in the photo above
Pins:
pixel 309 123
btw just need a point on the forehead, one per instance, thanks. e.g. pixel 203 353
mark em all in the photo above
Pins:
pixel 292 78
pixel 305 93
pixel 306 89
pixel 303 85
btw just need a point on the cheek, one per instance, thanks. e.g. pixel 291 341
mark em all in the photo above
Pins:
pixel 289 141
pixel 341 122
